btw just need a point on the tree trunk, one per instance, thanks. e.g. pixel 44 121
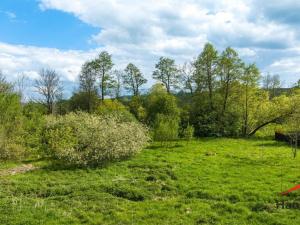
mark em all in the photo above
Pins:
pixel 225 97
pixel 209 84
pixel 245 128
pixel 168 84
pixel 264 124
pixel 89 102
pixel 102 86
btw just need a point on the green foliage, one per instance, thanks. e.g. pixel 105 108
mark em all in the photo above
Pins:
pixel 136 107
pixel 84 101
pixel 292 123
pixel 167 73
pixel 102 66
pixel 205 124
pixel 62 106
pixel 90 140
pixel 206 67
pixel 133 79
pixel 115 108
pixel 165 128
pixel 34 123
pixel 11 130
pixel 160 102
pixel 188 132
pixel 87 78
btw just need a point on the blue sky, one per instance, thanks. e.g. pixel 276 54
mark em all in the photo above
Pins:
pixel 62 34
pixel 23 22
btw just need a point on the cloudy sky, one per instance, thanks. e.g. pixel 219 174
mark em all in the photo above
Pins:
pixel 62 34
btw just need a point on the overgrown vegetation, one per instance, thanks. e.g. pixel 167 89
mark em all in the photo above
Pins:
pixel 216 94
pixel 90 140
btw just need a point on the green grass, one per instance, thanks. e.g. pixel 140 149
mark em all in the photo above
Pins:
pixel 209 181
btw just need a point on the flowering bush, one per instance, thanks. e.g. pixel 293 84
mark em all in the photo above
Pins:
pixel 89 140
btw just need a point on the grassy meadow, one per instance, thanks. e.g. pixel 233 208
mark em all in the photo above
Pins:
pixel 206 181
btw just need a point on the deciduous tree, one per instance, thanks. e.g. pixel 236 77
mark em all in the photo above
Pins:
pixel 167 73
pixel 49 86
pixel 249 79
pixel 187 76
pixel 206 70
pixel 103 65
pixel 133 79
pixel 87 84
pixel 229 67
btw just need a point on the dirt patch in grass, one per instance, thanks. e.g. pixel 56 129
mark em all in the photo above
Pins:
pixel 17 170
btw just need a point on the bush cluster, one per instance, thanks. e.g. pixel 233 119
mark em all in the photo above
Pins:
pixel 11 127
pixel 88 140
pixel 165 128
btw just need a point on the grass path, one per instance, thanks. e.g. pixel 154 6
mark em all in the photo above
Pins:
pixel 209 181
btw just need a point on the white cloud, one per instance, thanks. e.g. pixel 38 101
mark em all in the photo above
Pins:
pixel 287 68
pixel 177 27
pixel 28 60
pixel 142 31
pixel 10 15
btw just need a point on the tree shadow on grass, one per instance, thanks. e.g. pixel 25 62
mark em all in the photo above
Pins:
pixel 266 142
pixel 153 147
pixel 273 144
pixel 56 165
pixel 166 145
pixel 36 160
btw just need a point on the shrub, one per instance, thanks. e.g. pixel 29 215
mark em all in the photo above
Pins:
pixel 137 109
pixel 116 109
pixel 84 101
pixel 188 133
pixel 160 102
pixel 34 122
pixel 90 140
pixel 165 128
pixel 11 127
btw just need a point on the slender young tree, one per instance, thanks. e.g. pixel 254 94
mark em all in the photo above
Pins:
pixel 103 65
pixel 249 79
pixel 49 86
pixel 275 84
pixel 167 73
pixel 133 79
pixel 206 70
pixel 266 81
pixel 20 86
pixel 271 83
pixel 229 71
pixel 4 85
pixel 87 83
pixel 187 71
pixel 117 83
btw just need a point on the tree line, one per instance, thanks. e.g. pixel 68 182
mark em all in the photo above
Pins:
pixel 217 93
